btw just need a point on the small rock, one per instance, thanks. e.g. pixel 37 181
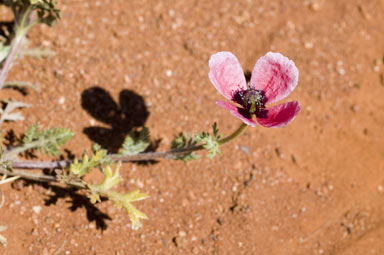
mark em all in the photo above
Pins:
pixel 308 45
pixel 168 73
pixel 36 209
pixel 245 149
pixel 62 100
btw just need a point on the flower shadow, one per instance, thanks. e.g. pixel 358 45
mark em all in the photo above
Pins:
pixel 121 118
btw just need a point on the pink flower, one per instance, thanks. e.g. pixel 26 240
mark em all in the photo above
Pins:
pixel 273 78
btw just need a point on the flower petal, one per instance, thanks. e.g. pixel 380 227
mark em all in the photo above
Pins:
pixel 235 111
pixel 226 74
pixel 276 75
pixel 278 115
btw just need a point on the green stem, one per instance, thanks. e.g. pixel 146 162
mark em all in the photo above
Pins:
pixel 235 134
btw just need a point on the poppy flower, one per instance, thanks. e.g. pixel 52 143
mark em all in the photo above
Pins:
pixel 273 78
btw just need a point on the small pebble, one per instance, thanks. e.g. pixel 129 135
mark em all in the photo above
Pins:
pixel 36 209
pixel 245 149
pixel 168 73
pixel 62 100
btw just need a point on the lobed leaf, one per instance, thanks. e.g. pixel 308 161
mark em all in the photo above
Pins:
pixel 211 142
pixel 182 142
pixel 134 145
pixel 125 201
pixel 10 106
pixel 111 179
pixel 50 140
pixel 97 159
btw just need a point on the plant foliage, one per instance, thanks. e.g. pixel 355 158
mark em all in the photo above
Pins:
pixel 182 142
pixel 98 158
pixel 112 179
pixel 8 114
pixel 48 140
pixel 134 145
pixel 211 142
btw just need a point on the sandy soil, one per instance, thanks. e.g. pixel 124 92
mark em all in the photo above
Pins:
pixel 313 187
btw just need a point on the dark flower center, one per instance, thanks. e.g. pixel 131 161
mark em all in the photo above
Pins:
pixel 252 100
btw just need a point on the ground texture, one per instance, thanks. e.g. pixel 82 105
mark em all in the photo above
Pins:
pixel 313 187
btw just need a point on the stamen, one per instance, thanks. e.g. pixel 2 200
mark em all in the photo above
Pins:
pixel 253 100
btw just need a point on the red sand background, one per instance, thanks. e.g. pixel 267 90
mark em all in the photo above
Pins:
pixel 314 187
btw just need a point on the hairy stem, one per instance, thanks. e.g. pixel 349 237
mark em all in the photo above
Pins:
pixel 39 177
pixel 8 155
pixel 12 153
pixel 116 157
pixel 21 28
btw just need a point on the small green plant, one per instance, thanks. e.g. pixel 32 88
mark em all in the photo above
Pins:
pixel 273 78
pixel 111 179
pixel 23 10
pixel 211 142
pixel 134 145
pixel 100 160
pixel 182 142
pixel 48 140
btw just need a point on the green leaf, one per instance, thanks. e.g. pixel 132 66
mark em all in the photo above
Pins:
pixel 111 179
pixel 211 142
pixel 98 158
pixel 134 145
pixel 31 134
pixel 182 142
pixel 46 11
pixel 125 201
pixel 3 52
pixel 49 140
